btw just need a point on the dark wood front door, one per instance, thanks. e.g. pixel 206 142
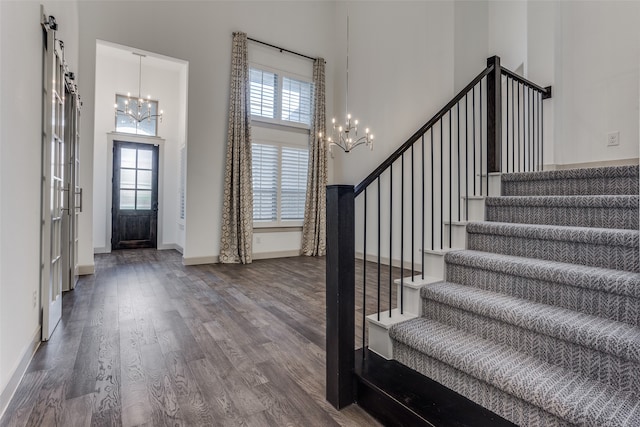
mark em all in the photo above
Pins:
pixel 135 196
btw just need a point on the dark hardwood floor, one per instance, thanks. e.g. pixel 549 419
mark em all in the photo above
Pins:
pixel 148 341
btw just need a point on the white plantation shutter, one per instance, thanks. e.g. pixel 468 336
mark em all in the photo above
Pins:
pixel 296 101
pixel 265 167
pixel 293 187
pixel 263 89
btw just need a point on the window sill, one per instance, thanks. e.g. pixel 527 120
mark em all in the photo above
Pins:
pixel 270 228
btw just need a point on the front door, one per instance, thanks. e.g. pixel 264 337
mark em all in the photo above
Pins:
pixel 135 196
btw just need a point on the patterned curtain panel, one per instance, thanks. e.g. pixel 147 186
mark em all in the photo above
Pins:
pixel 237 210
pixel 314 232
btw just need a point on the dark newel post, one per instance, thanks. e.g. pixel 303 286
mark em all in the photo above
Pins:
pixel 340 290
pixel 494 115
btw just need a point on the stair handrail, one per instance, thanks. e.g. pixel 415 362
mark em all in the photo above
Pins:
pixel 424 129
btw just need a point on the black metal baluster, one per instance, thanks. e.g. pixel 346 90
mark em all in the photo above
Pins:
pixel 401 233
pixel 379 246
pixel 458 156
pixel 466 153
pixel 433 213
pixel 513 129
pixel 364 276
pixel 529 132
pixel 413 213
pixel 480 124
pixel 473 110
pixel 541 133
pixel 441 218
pixel 519 150
pixel 422 246
pixel 390 236
pixel 532 130
pixel 507 111
pixel 450 180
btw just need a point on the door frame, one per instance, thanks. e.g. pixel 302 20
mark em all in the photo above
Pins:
pixel 138 139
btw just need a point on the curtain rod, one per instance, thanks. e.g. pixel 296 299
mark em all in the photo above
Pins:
pixel 281 49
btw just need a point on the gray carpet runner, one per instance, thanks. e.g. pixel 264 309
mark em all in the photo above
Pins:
pixel 539 321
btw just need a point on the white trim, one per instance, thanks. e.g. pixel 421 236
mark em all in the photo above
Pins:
pixel 170 246
pixel 85 270
pixel 18 373
pixel 276 254
pixel 597 164
pixel 197 260
pixel 396 262
pixel 138 139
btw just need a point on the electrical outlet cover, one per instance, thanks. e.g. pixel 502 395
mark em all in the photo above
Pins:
pixel 613 138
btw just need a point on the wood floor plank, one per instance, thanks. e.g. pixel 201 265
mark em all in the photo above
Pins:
pixel 160 392
pixel 77 412
pixel 147 341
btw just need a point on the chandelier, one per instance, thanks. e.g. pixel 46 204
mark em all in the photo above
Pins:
pixel 346 137
pixel 138 109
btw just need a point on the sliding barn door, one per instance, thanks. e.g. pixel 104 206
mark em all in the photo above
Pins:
pixel 53 175
pixel 72 191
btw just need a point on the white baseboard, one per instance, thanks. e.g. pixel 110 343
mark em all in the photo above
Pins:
pixel 84 270
pixel 197 260
pixel 396 262
pixel 170 246
pixel 276 254
pixel 103 250
pixel 597 164
pixel 12 385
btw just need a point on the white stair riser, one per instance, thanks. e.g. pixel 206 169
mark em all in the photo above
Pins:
pixel 458 236
pixel 379 341
pixel 476 208
pixel 412 301
pixel 495 185
pixel 434 264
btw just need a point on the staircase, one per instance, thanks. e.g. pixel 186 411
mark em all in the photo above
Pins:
pixel 539 319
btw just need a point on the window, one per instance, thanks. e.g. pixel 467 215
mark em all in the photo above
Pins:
pixel 127 123
pixel 279 184
pixel 136 174
pixel 280 98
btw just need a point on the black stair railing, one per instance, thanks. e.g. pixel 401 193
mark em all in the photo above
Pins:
pixel 493 125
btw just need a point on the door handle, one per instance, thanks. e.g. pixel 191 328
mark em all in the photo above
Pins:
pixel 79 207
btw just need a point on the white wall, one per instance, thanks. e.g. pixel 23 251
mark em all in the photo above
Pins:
pixel 599 73
pixel 471 41
pixel 117 72
pixel 20 171
pixel 507 33
pixel 201 34
pixel 400 74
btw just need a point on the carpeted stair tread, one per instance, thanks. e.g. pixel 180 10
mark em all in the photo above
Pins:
pixel 578 211
pixel 599 247
pixel 616 338
pixel 587 201
pixel 617 282
pixel 572 397
pixel 596 236
pixel 605 180
pixel 579 173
